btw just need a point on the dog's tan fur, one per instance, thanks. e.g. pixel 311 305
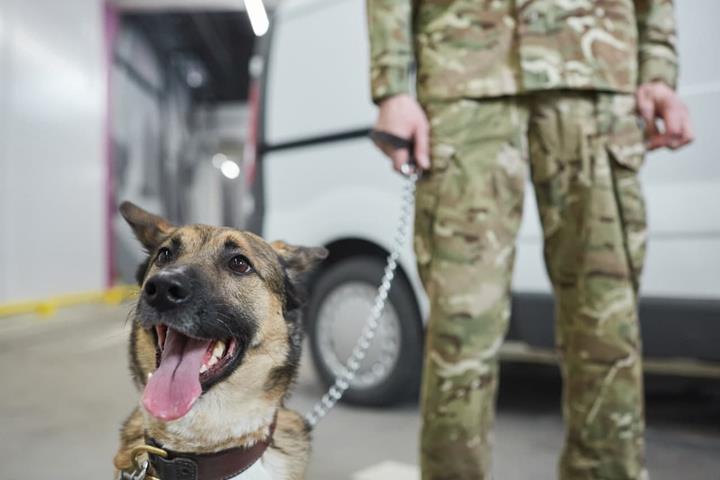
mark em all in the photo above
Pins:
pixel 237 411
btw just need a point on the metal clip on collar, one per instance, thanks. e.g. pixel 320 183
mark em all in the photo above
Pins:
pixel 140 470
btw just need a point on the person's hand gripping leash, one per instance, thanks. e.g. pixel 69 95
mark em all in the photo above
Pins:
pixel 402 132
pixel 391 142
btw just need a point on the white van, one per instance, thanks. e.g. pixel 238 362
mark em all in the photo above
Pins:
pixel 318 180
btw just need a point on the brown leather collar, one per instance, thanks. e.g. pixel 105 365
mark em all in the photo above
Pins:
pixel 221 465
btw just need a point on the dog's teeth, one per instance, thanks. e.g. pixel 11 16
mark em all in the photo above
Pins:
pixel 217 353
pixel 219 349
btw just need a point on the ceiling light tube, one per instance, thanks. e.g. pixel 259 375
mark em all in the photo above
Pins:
pixel 258 16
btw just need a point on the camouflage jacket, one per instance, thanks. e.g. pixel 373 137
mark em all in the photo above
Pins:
pixel 486 48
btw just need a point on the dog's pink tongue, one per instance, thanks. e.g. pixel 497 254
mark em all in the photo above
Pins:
pixel 175 385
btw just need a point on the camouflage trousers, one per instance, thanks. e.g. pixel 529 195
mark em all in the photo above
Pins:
pixel 583 151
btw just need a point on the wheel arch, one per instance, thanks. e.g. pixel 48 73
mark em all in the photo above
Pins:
pixel 344 248
pixel 352 259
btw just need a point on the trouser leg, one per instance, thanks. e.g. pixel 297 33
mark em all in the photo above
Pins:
pixel 467 216
pixel 585 150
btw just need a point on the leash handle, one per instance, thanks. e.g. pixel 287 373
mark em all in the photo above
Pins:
pixel 397 143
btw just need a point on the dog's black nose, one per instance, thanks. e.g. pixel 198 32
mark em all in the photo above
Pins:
pixel 167 290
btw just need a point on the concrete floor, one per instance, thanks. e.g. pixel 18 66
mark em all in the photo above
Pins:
pixel 66 389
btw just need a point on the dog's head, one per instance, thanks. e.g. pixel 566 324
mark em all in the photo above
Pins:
pixel 217 319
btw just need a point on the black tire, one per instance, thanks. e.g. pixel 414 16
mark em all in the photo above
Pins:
pixel 403 382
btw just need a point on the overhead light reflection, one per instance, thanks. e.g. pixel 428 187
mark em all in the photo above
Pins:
pixel 230 169
pixel 258 16
pixel 218 159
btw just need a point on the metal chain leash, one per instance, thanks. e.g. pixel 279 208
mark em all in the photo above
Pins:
pixel 351 367
pixel 140 473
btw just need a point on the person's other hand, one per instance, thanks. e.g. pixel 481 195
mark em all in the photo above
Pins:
pixel 656 100
pixel 402 115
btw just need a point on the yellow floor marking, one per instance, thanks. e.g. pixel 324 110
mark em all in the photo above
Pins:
pixel 49 306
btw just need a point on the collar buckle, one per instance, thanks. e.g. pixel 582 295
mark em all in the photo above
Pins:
pixel 141 467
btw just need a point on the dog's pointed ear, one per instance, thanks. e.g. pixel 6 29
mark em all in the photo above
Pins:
pixel 299 261
pixel 149 229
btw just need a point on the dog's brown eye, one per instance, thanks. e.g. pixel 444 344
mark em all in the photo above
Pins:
pixel 164 256
pixel 240 264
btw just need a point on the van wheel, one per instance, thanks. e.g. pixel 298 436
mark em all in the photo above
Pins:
pixel 339 306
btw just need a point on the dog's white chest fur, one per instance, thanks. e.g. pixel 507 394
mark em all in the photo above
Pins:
pixel 256 472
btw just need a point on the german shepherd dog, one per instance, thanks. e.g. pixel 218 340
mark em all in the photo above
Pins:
pixel 214 349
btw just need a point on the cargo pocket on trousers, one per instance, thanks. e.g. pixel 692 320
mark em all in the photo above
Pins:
pixel 627 153
pixel 628 157
pixel 626 142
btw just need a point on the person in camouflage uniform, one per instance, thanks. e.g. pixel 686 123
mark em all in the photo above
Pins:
pixel 553 87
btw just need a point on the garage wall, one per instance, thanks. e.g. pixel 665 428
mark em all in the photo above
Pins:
pixel 52 148
pixel 164 143
pixel 149 137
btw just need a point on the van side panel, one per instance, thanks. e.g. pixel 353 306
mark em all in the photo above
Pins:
pixel 318 68
pixel 321 194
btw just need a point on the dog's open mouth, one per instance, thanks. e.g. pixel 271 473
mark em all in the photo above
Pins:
pixel 186 366
pixel 218 353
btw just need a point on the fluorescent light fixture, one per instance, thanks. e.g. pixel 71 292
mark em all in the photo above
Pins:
pixel 230 169
pixel 258 16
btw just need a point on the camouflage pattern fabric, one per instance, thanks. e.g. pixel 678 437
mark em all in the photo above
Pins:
pixel 489 48
pixel 583 150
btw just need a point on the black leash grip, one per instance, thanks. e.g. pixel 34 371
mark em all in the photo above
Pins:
pixel 397 143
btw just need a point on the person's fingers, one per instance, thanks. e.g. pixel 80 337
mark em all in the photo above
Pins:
pixel 399 157
pixel 675 140
pixel 653 137
pixel 422 146
pixel 688 133
pixel 645 107
pixel 657 102
pixel 385 149
pixel 645 104
pixel 672 116
pixel 660 141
